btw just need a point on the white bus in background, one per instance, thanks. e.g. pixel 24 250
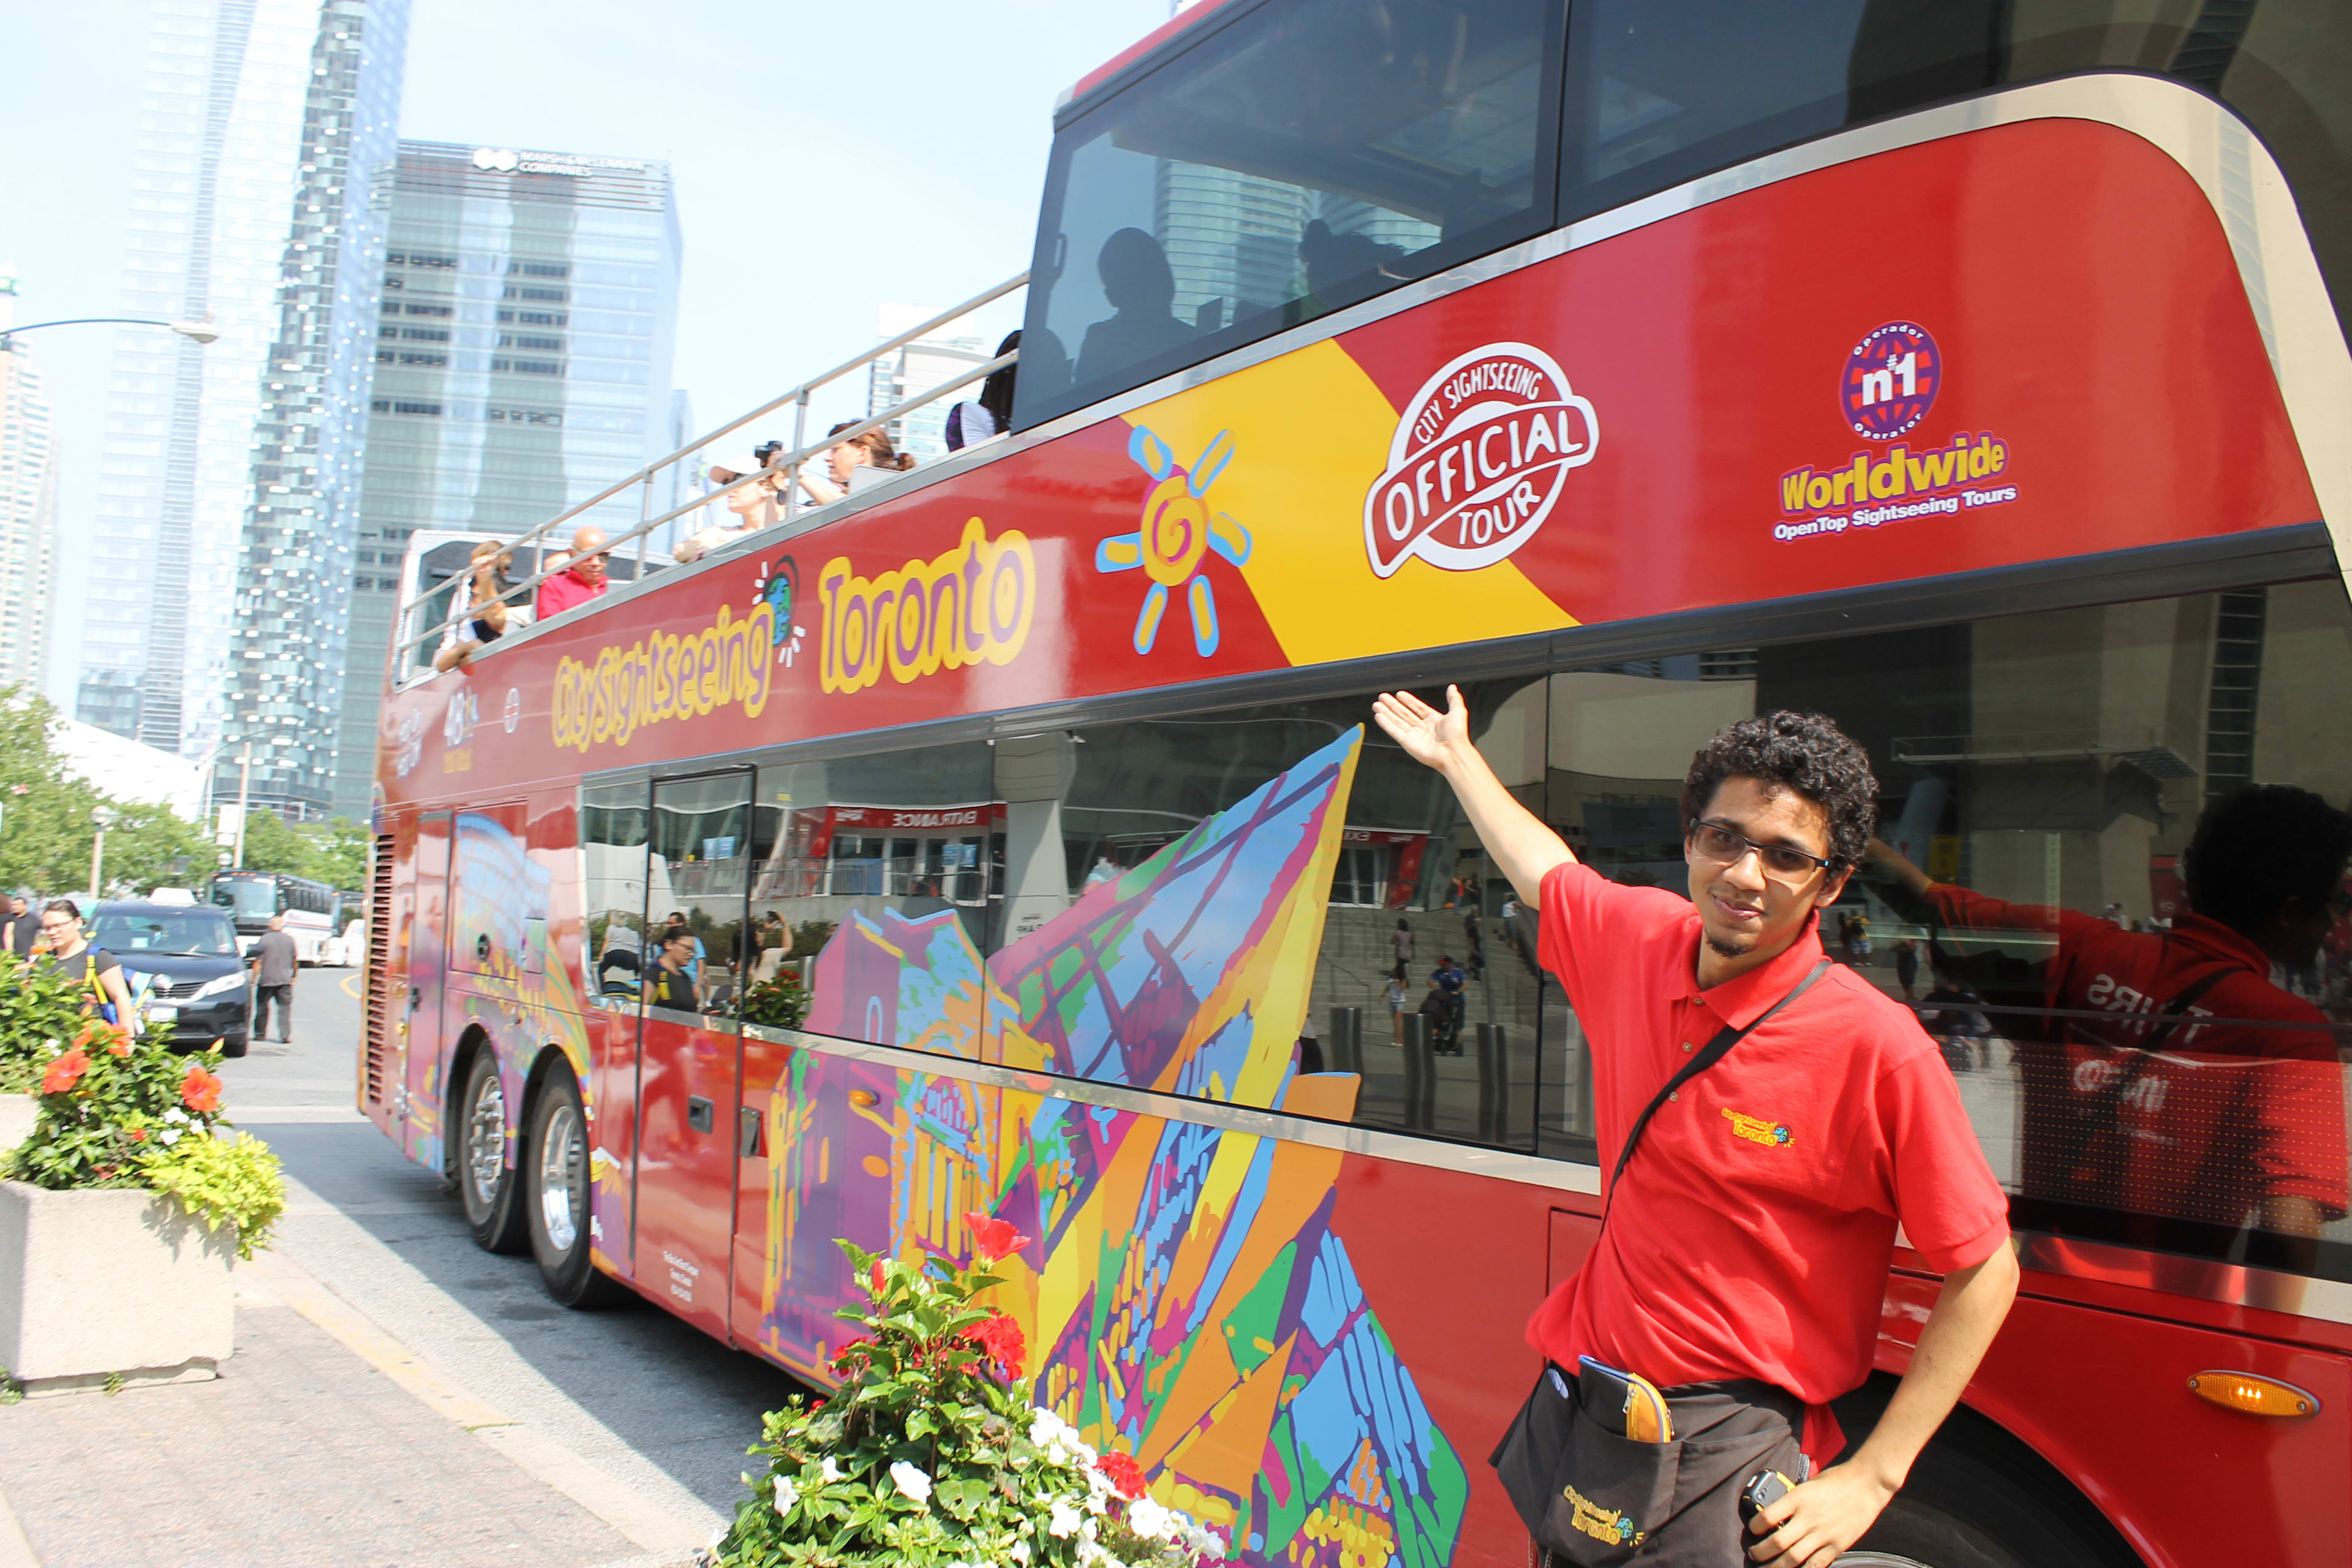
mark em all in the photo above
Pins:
pixel 312 912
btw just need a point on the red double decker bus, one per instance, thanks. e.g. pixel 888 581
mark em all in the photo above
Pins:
pixel 1007 835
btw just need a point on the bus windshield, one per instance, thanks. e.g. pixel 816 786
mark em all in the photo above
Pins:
pixel 251 897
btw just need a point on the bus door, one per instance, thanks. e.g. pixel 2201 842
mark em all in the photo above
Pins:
pixel 423 1131
pixel 697 857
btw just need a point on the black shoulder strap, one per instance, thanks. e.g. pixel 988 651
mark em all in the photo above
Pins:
pixel 1713 1052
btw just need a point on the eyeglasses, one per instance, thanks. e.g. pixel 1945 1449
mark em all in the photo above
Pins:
pixel 1782 863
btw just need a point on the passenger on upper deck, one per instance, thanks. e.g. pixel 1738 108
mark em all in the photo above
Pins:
pixel 827 481
pixel 1142 290
pixel 757 505
pixel 581 581
pixel 479 616
pixel 991 414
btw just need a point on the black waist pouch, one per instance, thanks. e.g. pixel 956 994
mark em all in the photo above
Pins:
pixel 1589 1493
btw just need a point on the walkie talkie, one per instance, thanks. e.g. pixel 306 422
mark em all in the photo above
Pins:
pixel 1763 1490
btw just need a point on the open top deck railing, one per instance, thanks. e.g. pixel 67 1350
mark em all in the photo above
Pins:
pixel 419 608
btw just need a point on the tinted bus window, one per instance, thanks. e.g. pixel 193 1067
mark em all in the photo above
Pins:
pixel 1663 90
pixel 1309 155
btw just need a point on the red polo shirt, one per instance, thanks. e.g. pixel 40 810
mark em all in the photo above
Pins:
pixel 565 591
pixel 1751 1234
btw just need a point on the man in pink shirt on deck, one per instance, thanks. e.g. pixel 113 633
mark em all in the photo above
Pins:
pixel 580 582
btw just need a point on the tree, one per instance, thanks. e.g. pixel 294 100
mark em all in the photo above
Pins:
pixel 46 828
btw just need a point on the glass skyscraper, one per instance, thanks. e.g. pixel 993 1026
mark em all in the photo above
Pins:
pixel 28 509
pixel 230 483
pixel 523 363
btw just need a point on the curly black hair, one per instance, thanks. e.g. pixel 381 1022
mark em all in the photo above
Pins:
pixel 2254 849
pixel 1806 753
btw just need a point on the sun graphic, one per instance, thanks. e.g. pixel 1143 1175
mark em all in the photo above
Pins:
pixel 777 588
pixel 1178 530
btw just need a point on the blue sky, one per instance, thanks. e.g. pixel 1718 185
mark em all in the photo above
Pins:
pixel 829 160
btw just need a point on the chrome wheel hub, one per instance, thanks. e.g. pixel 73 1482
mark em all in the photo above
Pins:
pixel 561 1160
pixel 485 1140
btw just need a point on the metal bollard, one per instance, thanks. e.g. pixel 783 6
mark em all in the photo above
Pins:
pixel 1494 1084
pixel 1419 1075
pixel 1348 1040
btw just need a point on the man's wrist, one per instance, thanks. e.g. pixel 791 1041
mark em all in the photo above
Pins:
pixel 1884 1470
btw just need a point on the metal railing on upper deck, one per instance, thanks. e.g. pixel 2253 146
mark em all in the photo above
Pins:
pixel 420 605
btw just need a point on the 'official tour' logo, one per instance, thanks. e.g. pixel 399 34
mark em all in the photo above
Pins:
pixel 1890 380
pixel 1479 458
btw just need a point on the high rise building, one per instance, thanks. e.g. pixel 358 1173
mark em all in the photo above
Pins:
pixel 28 509
pixel 229 485
pixel 523 363
pixel 913 369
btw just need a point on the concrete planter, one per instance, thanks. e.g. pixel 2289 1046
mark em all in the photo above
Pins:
pixel 122 1284
pixel 17 1112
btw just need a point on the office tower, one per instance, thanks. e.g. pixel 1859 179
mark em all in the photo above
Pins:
pixel 230 483
pixel 28 509
pixel 913 369
pixel 522 361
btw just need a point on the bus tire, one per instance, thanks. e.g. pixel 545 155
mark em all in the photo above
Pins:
pixel 1966 1508
pixel 486 1184
pixel 556 1156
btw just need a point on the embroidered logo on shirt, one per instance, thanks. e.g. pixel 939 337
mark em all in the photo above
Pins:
pixel 1602 1523
pixel 1756 1130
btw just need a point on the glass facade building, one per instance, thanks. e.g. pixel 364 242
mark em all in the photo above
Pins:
pixel 528 307
pixel 229 484
pixel 29 511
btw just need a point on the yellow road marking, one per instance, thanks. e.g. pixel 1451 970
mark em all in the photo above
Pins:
pixel 350 984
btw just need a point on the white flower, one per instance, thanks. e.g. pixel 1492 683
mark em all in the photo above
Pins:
pixel 1064 1522
pixel 832 1469
pixel 788 1495
pixel 168 1137
pixel 1203 1542
pixel 912 1483
pixel 176 1114
pixel 1018 1551
pixel 1147 1517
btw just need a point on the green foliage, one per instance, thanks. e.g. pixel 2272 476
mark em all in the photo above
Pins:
pixel 231 1181
pixel 45 823
pixel 333 852
pixel 933 1455
pixel 40 1009
pixel 809 938
pixel 780 1002
pixel 108 1100
pixel 122 1111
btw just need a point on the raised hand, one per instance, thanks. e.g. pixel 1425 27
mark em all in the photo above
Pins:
pixel 1427 735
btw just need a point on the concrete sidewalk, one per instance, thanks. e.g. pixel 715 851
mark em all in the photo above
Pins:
pixel 324 1443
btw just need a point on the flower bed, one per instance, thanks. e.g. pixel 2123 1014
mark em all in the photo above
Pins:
pixel 933 1454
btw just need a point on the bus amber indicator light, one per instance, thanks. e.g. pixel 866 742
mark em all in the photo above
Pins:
pixel 2254 1395
pixel 1479 458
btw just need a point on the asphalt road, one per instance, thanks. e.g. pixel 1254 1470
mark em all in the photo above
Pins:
pixel 632 1389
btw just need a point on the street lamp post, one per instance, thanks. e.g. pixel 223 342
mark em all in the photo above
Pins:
pixel 199 332
pixel 104 817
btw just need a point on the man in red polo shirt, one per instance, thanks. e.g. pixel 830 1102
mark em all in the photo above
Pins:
pixel 579 582
pixel 1743 1261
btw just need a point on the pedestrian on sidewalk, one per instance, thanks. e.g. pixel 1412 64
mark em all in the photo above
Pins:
pixel 64 948
pixel 273 964
pixel 22 928
pixel 1746 1279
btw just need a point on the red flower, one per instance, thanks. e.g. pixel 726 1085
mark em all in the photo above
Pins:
pixel 121 1046
pixel 201 1090
pixel 873 1277
pixel 65 1072
pixel 1000 1339
pixel 849 1355
pixel 992 1238
pixel 139 1135
pixel 1125 1474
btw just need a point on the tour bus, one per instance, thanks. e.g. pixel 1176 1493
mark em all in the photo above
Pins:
pixel 1969 374
pixel 313 910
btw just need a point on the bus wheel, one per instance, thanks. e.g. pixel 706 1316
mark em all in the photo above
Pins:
pixel 1966 1509
pixel 558 1158
pixel 485 1184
